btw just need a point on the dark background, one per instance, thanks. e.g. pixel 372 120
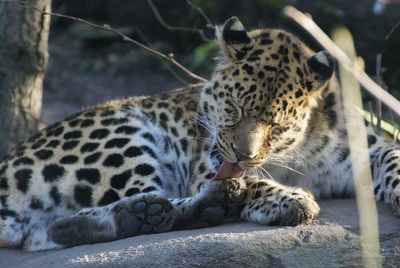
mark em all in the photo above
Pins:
pixel 88 66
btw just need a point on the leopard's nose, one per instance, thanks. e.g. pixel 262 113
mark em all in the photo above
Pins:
pixel 243 154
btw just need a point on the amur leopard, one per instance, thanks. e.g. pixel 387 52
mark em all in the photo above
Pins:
pixel 258 142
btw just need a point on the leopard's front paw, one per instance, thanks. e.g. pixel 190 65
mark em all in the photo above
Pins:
pixel 221 199
pixel 287 207
pixel 298 209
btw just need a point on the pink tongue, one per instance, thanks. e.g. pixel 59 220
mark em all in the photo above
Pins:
pixel 228 170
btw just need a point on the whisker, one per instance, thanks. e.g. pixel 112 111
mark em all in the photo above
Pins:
pixel 287 167
pixel 269 175
pixel 199 138
pixel 205 125
pixel 258 173
pixel 285 159
pixel 208 152
pixel 254 193
pixel 201 120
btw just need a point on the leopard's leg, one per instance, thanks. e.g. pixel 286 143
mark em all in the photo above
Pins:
pixel 27 232
pixel 130 216
pixel 216 202
pixel 11 229
pixel 37 237
pixel 270 203
pixel 149 213
pixel 385 165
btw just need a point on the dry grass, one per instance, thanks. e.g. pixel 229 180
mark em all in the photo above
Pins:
pixel 352 74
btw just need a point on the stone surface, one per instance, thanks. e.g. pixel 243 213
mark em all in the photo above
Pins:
pixel 330 242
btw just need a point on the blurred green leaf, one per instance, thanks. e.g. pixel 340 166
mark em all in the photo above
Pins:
pixel 276 5
pixel 205 4
pixel 329 9
pixel 203 54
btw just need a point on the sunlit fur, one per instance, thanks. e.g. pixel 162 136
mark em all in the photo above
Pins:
pixel 146 164
pixel 263 97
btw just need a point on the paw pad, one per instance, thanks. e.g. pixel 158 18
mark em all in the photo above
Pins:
pixel 143 215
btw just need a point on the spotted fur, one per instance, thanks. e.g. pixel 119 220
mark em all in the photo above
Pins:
pixel 145 164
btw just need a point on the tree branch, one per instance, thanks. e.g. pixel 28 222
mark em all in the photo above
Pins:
pixel 171 70
pixel 367 83
pixel 201 12
pixel 177 28
pixel 170 58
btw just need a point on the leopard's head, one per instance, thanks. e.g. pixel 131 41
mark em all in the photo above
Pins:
pixel 263 92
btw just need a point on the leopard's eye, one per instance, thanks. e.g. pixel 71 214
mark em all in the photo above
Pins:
pixel 228 125
pixel 231 117
pixel 276 130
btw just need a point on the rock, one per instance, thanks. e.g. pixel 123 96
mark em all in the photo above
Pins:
pixel 332 241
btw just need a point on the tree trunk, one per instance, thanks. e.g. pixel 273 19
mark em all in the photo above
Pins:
pixel 23 58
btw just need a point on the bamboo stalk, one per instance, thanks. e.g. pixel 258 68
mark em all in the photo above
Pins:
pixel 357 139
pixel 351 66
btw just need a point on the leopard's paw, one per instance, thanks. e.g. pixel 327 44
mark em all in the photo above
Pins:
pixel 220 199
pixel 149 213
pixel 287 207
pixel 300 207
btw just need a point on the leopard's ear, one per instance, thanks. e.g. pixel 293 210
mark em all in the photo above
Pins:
pixel 322 66
pixel 233 39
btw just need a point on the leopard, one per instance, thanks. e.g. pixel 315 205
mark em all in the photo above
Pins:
pixel 261 141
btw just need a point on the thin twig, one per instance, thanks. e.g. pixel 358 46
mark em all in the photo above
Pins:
pixel 142 36
pixel 201 12
pixel 170 58
pixel 392 30
pixel 175 28
pixel 379 82
pixel 169 68
pixel 348 64
pixel 177 76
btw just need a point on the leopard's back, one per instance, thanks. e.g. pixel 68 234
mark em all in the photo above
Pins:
pixel 102 154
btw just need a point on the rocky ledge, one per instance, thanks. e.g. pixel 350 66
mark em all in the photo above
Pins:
pixel 332 241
